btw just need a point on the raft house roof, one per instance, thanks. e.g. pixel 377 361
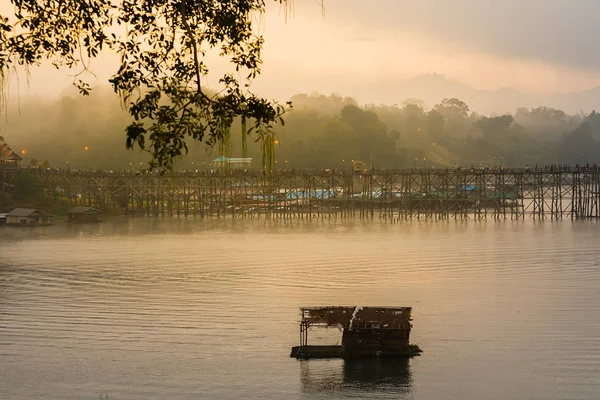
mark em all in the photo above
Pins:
pixel 84 210
pixel 25 212
pixel 357 316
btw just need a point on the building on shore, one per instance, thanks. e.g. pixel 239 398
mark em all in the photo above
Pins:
pixel 8 158
pixel 84 214
pixel 231 163
pixel 27 217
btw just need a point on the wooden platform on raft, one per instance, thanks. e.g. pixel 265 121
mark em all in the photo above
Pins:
pixel 367 332
pixel 306 352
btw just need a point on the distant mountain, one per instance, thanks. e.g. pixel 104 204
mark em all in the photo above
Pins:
pixel 434 87
pixel 585 101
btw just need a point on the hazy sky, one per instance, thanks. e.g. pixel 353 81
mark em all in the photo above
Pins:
pixel 357 46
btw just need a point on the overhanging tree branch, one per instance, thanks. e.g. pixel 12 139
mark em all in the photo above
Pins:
pixel 161 56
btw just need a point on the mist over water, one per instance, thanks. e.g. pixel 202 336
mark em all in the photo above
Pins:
pixel 190 309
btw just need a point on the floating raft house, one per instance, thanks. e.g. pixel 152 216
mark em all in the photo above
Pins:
pixel 367 332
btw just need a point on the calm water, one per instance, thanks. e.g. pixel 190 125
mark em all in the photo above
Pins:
pixel 174 309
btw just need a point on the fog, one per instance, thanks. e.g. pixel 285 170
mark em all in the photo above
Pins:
pixel 322 131
pixel 494 56
pixel 188 285
pixel 533 61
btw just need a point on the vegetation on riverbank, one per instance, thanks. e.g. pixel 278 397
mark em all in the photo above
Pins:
pixel 321 132
pixel 26 192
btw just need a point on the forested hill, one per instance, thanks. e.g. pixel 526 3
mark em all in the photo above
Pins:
pixel 321 132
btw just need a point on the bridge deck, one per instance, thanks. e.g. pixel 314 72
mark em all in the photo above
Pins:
pixel 438 194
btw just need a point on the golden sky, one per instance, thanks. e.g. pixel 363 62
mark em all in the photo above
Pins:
pixel 361 47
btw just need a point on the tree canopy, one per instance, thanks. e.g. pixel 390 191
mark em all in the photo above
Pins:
pixel 321 132
pixel 162 46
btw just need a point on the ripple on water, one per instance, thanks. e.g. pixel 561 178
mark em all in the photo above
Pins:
pixel 210 312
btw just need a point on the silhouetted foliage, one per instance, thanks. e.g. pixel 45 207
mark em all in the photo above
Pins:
pixel 26 187
pixel 582 145
pixel 494 125
pixel 161 44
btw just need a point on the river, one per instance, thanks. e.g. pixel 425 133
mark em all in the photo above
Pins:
pixel 203 309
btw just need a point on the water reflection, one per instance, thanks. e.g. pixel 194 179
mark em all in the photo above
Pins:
pixel 135 227
pixel 129 226
pixel 361 378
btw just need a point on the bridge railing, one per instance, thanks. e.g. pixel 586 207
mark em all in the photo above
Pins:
pixel 317 172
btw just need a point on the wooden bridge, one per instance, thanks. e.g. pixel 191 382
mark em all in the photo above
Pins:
pixel 552 193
